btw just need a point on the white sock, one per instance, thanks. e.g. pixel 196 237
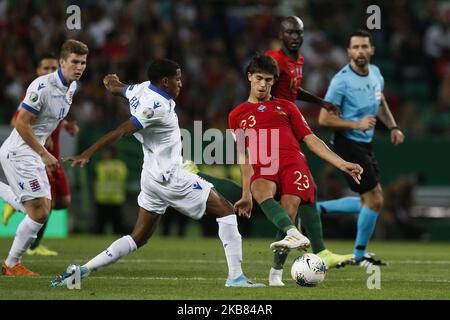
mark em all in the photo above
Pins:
pixel 232 244
pixel 293 232
pixel 118 249
pixel 25 235
pixel 8 195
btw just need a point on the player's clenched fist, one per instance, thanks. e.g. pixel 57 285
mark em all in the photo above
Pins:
pixel 110 80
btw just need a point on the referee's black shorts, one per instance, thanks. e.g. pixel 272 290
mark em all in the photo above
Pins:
pixel 362 154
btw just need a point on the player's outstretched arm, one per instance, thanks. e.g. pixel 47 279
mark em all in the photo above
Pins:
pixel 317 146
pixel 112 84
pixel 125 129
pixel 329 120
pixel 307 96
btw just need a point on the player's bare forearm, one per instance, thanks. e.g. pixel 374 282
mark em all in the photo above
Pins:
pixel 125 129
pixel 307 96
pixel 385 114
pixel 113 84
pixel 246 173
pixel 244 205
pixel 332 121
pixel 318 147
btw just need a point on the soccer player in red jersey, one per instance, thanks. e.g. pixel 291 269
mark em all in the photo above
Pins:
pixel 290 63
pixel 60 189
pixel 282 173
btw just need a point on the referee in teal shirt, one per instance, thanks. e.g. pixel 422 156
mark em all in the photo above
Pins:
pixel 358 90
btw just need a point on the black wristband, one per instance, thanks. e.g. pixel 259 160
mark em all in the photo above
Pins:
pixel 395 127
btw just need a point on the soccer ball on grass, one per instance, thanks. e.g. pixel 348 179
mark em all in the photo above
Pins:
pixel 308 270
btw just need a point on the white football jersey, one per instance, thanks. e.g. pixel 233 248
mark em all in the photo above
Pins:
pixel 49 98
pixel 153 112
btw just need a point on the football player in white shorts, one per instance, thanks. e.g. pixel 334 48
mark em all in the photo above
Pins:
pixel 164 182
pixel 23 157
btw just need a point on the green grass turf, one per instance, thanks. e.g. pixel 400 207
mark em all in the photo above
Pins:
pixel 195 268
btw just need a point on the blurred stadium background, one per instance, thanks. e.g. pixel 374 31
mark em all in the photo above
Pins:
pixel 213 41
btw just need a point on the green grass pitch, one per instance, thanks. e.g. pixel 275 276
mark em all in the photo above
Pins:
pixel 195 268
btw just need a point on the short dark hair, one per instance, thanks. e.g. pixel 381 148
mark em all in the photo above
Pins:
pixel 44 56
pixel 263 64
pixel 73 46
pixel 161 68
pixel 360 33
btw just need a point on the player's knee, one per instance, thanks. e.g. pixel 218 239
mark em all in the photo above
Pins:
pixel 38 209
pixel 261 196
pixel 376 201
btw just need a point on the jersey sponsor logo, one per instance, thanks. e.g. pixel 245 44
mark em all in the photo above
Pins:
pixel 262 108
pixel 41 86
pixel 34 96
pixel 34 185
pixel 197 186
pixel 156 105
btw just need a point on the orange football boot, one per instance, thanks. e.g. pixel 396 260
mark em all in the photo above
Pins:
pixel 18 270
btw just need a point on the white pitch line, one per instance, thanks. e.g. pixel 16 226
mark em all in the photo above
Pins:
pixel 223 279
pixel 203 261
